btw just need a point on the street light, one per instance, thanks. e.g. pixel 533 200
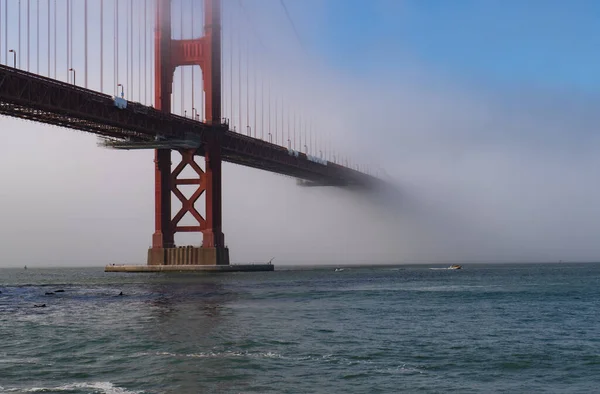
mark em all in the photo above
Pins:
pixel 194 112
pixel 249 131
pixel 270 138
pixel 321 153
pixel 122 90
pixel 14 57
pixel 72 69
pixel 306 149
pixel 289 144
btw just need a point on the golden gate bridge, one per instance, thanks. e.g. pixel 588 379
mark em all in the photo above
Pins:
pixel 110 67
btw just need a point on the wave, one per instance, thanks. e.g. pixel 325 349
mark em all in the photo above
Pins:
pixel 327 358
pixel 215 354
pixel 94 387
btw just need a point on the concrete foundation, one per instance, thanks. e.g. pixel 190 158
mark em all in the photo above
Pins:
pixel 188 255
pixel 189 258
pixel 188 268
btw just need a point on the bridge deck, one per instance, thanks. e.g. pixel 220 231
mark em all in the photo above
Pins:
pixel 30 96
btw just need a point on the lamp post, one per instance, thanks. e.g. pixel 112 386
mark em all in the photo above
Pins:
pixel 270 138
pixel 289 144
pixel 72 69
pixel 122 89
pixel 14 57
pixel 305 149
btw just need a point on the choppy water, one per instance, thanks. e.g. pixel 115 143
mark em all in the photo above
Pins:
pixel 486 328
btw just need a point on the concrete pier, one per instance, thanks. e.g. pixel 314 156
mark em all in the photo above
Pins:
pixel 190 268
pixel 188 259
pixel 188 255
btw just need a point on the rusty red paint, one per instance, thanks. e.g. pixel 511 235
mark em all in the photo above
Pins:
pixel 170 54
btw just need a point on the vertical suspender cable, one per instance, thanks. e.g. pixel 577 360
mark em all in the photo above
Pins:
pixel 117 43
pixel 310 134
pixel 131 46
pixel 231 70
pixel 116 48
pixel 269 99
pixel 101 45
pixel 276 120
pixel 6 31
pixel 239 81
pixel 37 56
pixel 255 94
pixel 224 89
pixel 306 140
pixel 139 71
pixel 294 130
pixel 282 113
pixel 145 27
pixel 55 40
pixel 127 48
pixel 310 139
pixel 20 51
pixel 247 87
pixel 151 23
pixel 300 133
pixel 1 21
pixel 262 104
pixel 48 36
pixel 28 33
pixel 68 26
pixel 85 43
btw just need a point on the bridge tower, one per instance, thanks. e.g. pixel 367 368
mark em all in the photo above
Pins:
pixel 170 54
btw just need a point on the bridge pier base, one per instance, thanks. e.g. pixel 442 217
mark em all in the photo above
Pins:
pixel 188 255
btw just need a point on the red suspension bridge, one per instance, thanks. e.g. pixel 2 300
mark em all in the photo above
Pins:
pixel 109 67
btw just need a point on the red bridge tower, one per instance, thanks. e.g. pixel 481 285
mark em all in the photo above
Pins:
pixel 169 54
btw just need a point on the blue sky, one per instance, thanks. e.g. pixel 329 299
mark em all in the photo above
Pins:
pixel 548 43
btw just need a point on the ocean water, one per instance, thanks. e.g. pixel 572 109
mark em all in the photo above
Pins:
pixel 483 329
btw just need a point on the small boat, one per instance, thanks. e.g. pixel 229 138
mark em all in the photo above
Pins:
pixel 455 267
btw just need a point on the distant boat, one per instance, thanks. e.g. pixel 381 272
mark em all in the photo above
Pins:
pixel 25 267
pixel 455 267
pixel 339 269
